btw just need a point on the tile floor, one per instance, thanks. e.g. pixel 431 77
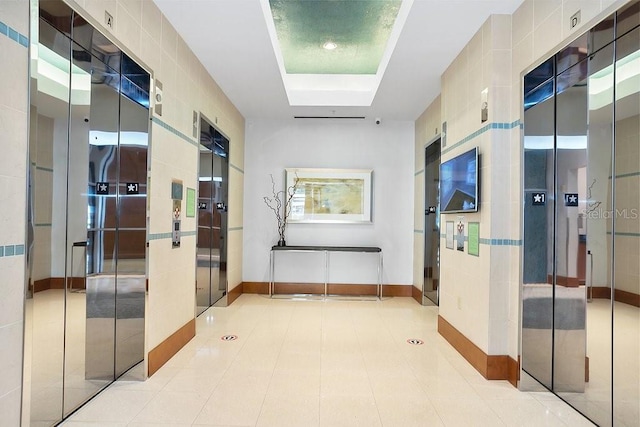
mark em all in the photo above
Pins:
pixel 320 363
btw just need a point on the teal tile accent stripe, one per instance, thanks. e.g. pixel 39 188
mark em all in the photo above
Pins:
pixel 627 175
pixel 162 236
pixel 235 228
pixel 418 231
pixel 158 236
pixel 43 224
pixel 483 129
pixel 174 131
pixel 418 172
pixel 11 250
pixel 185 138
pixel 500 242
pixel 492 242
pixel 42 168
pixel 236 168
pixel 14 35
pixel 625 234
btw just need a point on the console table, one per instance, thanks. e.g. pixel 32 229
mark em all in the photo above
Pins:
pixel 326 250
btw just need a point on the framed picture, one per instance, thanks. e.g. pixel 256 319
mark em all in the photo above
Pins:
pixel 330 195
pixel 473 244
pixel 449 234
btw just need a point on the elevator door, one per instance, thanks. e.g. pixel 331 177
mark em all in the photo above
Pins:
pixel 86 257
pixel 211 274
pixel 555 170
pixel 432 222
pixel 581 276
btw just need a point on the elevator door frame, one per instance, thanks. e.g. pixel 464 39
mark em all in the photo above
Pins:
pixel 222 301
pixel 611 396
pixel 74 281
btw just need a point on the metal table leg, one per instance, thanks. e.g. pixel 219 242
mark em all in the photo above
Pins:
pixel 326 271
pixel 380 276
pixel 271 273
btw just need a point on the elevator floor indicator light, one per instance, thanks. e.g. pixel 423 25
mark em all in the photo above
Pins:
pixel 133 188
pixel 571 199
pixel 538 199
pixel 102 188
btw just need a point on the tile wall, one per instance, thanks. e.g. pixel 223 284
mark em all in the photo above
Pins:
pixel 14 30
pixel 480 295
pixel 475 292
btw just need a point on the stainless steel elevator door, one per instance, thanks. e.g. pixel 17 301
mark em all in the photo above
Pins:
pixel 132 233
pixel 539 208
pixel 211 254
pixel 45 310
pixel 432 222
pixel 569 349
pixel 88 347
pixel 204 256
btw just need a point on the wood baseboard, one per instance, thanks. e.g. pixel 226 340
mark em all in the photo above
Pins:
pixel 346 289
pixel 604 292
pixel 261 288
pixel 169 347
pixel 76 283
pixel 494 367
pixel 233 294
pixel 397 291
pixel 416 294
pixel 586 369
pixel 567 282
pixel 41 285
pixel 513 371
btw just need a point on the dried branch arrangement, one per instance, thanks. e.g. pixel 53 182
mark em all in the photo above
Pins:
pixel 280 204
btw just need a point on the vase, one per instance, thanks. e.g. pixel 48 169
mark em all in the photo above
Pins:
pixel 282 242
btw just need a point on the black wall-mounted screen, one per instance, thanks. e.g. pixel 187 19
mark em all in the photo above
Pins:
pixel 459 183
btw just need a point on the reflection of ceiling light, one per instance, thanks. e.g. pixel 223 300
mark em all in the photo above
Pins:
pixel 330 45
pixel 564 142
pixel 103 138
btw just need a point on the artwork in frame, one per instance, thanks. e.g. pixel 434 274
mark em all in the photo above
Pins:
pixel 330 195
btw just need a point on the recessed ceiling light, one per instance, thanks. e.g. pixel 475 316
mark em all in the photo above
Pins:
pixel 330 45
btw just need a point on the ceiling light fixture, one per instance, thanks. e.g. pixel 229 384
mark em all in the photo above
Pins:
pixel 330 45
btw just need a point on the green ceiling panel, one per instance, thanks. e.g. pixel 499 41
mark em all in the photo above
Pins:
pixel 360 28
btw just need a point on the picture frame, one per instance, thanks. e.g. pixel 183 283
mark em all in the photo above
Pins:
pixel 473 243
pixel 449 234
pixel 330 195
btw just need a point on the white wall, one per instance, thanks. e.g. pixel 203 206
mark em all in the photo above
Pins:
pixel 271 146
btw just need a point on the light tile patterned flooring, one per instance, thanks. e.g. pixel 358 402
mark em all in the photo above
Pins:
pixel 320 363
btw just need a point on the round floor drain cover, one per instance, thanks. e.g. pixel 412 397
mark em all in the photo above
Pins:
pixel 228 337
pixel 415 341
